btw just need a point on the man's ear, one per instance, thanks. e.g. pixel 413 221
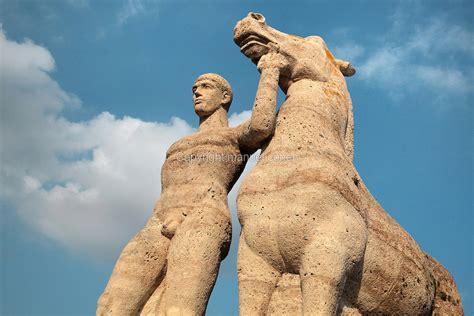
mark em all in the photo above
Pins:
pixel 225 98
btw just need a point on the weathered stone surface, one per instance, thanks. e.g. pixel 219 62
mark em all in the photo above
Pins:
pixel 172 263
pixel 313 239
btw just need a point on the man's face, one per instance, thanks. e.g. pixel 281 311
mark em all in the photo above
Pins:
pixel 207 97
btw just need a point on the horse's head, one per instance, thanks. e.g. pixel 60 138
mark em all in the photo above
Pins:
pixel 309 57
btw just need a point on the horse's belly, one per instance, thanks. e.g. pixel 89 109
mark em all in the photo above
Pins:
pixel 392 283
pixel 274 176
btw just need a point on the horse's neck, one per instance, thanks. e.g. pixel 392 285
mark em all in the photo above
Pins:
pixel 318 110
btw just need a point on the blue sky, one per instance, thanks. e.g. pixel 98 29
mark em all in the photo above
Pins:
pixel 93 93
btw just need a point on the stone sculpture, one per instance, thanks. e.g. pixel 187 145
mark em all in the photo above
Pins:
pixel 172 263
pixel 313 239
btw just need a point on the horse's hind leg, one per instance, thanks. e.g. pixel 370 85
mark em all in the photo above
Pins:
pixel 257 281
pixel 337 245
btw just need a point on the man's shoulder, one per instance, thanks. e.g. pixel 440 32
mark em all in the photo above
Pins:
pixel 222 136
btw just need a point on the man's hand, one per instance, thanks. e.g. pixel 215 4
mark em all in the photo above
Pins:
pixel 272 60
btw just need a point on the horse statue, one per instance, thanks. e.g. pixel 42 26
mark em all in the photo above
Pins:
pixel 314 240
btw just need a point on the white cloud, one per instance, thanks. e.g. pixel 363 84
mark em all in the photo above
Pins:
pixel 428 55
pixel 95 203
pixel 238 118
pixel 451 80
pixel 133 8
pixel 384 65
pixel 88 185
pixel 349 52
pixel 440 36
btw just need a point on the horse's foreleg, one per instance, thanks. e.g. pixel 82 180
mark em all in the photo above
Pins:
pixel 257 281
pixel 338 244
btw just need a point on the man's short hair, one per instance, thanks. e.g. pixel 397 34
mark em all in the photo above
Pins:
pixel 221 83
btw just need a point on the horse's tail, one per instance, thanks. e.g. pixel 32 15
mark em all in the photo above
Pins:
pixel 447 300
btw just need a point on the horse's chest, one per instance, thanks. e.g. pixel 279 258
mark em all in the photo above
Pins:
pixel 306 121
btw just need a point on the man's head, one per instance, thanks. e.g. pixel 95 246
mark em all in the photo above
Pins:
pixel 211 91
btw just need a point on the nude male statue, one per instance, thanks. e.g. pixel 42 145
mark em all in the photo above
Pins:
pixel 176 256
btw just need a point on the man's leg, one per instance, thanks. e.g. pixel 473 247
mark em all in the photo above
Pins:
pixel 137 273
pixel 194 257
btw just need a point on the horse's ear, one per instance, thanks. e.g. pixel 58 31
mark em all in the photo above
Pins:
pixel 345 67
pixel 316 39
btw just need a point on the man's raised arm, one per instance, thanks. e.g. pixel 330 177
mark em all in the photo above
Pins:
pixel 262 122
